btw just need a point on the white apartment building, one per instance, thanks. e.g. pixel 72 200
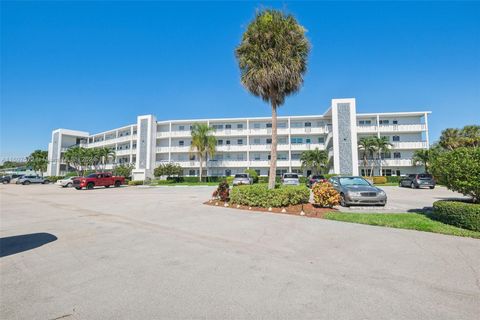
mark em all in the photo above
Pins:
pixel 245 142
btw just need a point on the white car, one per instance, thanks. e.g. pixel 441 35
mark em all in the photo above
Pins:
pixel 290 179
pixel 242 178
pixel 67 182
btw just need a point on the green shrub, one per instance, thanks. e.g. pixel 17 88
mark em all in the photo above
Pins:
pixel 259 195
pixel 162 182
pixel 54 178
pixel 302 180
pixel 253 174
pixel 229 180
pixel 168 169
pixel 123 170
pixel 264 179
pixel 460 214
pixel 393 179
pixel 135 183
pixel 459 170
pixel 71 174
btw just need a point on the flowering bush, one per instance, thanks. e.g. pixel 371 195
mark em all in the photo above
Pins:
pixel 222 192
pixel 325 195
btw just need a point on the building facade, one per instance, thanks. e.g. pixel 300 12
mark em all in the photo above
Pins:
pixel 245 142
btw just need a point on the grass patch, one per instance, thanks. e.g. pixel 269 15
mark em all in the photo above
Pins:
pixel 412 221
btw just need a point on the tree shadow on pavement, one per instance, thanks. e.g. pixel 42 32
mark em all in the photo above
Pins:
pixel 15 244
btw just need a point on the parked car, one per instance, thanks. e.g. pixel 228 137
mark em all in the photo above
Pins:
pixel 67 182
pixel 357 190
pixel 311 180
pixel 242 178
pixel 290 179
pixel 416 181
pixel 99 179
pixel 32 179
pixel 5 179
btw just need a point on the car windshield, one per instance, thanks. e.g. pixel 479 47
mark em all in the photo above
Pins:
pixel 241 175
pixel 290 176
pixel 353 181
pixel 92 175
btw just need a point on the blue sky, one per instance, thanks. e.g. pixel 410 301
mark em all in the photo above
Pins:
pixel 94 66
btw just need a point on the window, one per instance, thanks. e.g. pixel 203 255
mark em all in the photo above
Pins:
pixel 269 140
pixel 386 155
pixel 240 141
pixel 397 155
pixel 228 172
pixel 181 143
pixel 256 125
pixel 282 125
pixel 257 171
pixel 308 124
pixel 227 142
pixel 191 157
pixel 396 138
pixel 384 121
pixel 268 125
pixel 308 140
pixel 220 142
pixel 240 126
pixel 256 141
pixel 269 157
pixel 282 140
pixel 398 173
pixel 321 140
pixel 282 156
pixel 386 172
pixel 191 172
pixel 181 128
pixel 296 140
pixel 256 157
pixel 296 156
pixel 217 126
pixel 228 126
pixel 395 121
pixel 280 172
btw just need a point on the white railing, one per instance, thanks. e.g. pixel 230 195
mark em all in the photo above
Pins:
pixel 231 132
pixel 123 152
pixel 231 147
pixel 227 163
pixel 307 130
pixel 163 149
pixel 391 128
pixel 268 131
pixel 387 162
pixel 260 147
pixel 177 148
pixel 307 146
pixel 409 145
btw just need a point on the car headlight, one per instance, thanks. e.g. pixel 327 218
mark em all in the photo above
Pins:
pixel 354 194
pixel 382 193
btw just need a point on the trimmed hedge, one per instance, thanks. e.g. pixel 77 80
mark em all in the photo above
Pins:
pixel 393 179
pixel 379 180
pixel 54 178
pixel 456 213
pixel 260 196
pixel 135 183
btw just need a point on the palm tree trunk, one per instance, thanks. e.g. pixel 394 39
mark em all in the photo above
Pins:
pixel 273 152
pixel 200 158
pixel 380 164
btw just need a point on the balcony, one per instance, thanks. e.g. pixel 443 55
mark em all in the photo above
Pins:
pixel 268 131
pixel 388 163
pixel 163 149
pixel 309 130
pixel 392 128
pixel 176 149
pixel 230 132
pixel 232 147
pixel 227 163
pixel 410 145
pixel 123 152
pixel 307 146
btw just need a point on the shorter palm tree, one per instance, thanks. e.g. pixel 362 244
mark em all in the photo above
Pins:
pixel 367 145
pixel 203 143
pixel 105 153
pixel 316 160
pixel 421 157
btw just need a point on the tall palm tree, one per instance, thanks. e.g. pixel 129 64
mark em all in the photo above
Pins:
pixel 421 157
pixel 382 145
pixel 450 138
pixel 316 160
pixel 272 57
pixel 72 158
pixel 471 136
pixel 203 143
pixel 367 145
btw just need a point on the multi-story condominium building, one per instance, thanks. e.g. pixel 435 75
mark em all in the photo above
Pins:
pixel 245 142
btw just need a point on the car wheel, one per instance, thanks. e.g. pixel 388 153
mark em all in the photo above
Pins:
pixel 400 184
pixel 107 186
pixel 69 185
pixel 117 184
pixel 90 186
pixel 78 188
pixel 343 203
pixel 432 187
pixel 46 182
pixel 5 181
pixel 26 182
pixel 412 185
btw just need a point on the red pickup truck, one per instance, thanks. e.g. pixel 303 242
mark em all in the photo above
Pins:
pixel 99 179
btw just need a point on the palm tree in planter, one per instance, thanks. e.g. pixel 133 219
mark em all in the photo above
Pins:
pixel 367 145
pixel 203 143
pixel 272 57
pixel 316 160
pixel 382 145
pixel 421 157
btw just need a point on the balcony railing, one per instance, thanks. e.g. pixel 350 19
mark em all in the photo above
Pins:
pixel 392 128
pixel 410 145
pixel 387 162
pixel 307 146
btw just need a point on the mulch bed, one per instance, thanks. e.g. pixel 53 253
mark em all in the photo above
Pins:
pixel 309 209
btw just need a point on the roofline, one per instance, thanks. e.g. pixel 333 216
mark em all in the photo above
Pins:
pixel 410 113
pixel 241 119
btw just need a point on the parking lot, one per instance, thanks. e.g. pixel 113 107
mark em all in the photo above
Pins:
pixel 158 253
